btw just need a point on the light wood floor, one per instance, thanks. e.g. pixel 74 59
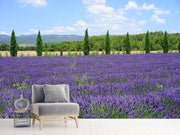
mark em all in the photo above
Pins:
pixel 97 127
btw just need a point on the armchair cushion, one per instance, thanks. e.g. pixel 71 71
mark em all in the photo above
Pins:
pixel 49 109
pixel 54 93
pixel 37 93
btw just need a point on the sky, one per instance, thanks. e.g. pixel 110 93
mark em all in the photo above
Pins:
pixel 72 17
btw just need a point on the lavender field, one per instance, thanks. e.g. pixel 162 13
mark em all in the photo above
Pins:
pixel 105 86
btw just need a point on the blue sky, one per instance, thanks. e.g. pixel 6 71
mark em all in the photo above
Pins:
pixel 66 17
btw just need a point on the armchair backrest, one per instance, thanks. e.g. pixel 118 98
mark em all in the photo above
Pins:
pixel 38 93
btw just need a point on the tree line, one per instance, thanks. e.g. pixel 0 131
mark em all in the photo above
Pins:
pixel 143 42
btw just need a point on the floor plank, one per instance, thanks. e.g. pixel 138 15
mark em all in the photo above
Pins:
pixel 97 127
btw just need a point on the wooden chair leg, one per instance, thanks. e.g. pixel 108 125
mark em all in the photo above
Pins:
pixel 76 121
pixel 65 119
pixel 40 124
pixel 33 120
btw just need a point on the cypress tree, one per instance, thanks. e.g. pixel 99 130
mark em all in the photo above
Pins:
pixel 86 43
pixel 14 45
pixel 61 49
pixel 179 45
pixel 127 44
pixel 165 43
pixel 39 47
pixel 107 47
pixel 147 43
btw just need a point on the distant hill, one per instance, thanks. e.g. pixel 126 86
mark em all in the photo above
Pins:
pixel 31 39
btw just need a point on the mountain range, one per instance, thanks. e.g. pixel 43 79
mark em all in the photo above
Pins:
pixel 31 39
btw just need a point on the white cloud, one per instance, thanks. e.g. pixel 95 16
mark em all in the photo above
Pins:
pixel 131 5
pixel 34 3
pixel 157 20
pixel 161 12
pixel 94 1
pixel 175 31
pixel 147 7
pixel 102 18
pixel 5 33
pixel 58 30
pixel 154 18
pixel 102 13
pixel 80 23
pixel 142 22
pixel 105 18
pixel 54 30
pixel 31 31
pixel 99 9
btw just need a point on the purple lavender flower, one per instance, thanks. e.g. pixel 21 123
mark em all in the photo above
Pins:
pixel 117 86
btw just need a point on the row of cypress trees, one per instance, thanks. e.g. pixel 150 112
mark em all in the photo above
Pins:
pixel 163 42
pixel 86 49
pixel 14 45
